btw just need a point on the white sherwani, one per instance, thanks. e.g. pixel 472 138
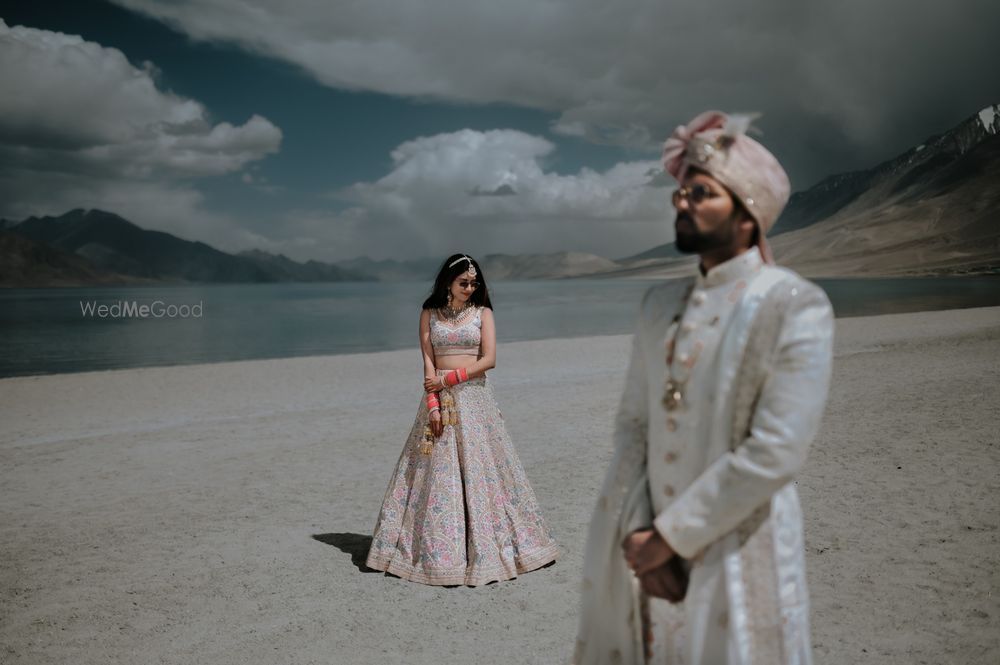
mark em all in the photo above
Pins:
pixel 751 345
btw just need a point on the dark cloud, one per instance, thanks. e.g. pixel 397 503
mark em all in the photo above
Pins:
pixel 841 85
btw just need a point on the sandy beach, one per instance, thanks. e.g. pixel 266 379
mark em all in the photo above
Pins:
pixel 220 514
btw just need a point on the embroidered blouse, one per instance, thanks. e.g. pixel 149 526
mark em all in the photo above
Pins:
pixel 461 339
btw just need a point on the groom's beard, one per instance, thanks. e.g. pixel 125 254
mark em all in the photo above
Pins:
pixel 691 241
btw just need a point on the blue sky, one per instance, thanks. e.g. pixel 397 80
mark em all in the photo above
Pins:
pixel 329 134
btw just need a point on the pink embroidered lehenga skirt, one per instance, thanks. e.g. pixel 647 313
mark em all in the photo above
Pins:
pixel 463 513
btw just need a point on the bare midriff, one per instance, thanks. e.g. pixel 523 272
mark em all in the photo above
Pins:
pixel 456 361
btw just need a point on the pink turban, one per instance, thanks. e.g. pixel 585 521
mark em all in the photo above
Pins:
pixel 717 144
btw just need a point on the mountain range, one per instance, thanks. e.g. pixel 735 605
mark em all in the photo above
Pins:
pixel 935 209
pixel 98 247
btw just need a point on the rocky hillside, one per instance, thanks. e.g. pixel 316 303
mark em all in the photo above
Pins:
pixel 26 263
pixel 103 244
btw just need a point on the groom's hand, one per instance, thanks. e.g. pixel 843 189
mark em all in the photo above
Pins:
pixel 664 582
pixel 645 550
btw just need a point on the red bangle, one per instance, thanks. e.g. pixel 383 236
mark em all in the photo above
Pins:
pixel 456 376
pixel 451 378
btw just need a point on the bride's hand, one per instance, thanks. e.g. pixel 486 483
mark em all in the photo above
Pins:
pixel 431 384
pixel 436 426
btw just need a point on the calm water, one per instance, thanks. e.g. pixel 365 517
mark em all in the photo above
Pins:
pixel 43 331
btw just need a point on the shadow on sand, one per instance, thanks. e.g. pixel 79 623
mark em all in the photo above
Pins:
pixel 355 544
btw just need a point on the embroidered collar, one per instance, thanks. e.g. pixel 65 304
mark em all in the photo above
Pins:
pixel 743 265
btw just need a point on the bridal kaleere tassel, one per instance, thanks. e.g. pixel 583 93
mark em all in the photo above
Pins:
pixel 448 415
pixel 427 445
pixel 446 406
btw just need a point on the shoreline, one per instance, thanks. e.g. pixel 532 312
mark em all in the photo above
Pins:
pixel 196 363
pixel 668 271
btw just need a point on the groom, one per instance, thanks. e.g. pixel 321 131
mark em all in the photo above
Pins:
pixel 695 551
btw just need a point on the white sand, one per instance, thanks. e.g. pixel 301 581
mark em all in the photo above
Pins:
pixel 220 513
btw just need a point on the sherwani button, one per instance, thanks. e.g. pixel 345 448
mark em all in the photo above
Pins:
pixel 698 298
pixel 670 457
pixel 671 424
pixel 668 490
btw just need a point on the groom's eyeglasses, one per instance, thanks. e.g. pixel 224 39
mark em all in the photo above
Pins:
pixel 694 194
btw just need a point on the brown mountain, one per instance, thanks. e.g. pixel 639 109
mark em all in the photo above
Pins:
pixel 933 210
pixel 105 244
pixel 544 266
pixel 28 263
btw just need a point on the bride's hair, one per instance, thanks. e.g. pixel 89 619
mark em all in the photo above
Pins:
pixel 451 268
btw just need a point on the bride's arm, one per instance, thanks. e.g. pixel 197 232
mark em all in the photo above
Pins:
pixel 426 349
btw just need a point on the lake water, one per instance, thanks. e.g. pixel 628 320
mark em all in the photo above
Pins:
pixel 45 331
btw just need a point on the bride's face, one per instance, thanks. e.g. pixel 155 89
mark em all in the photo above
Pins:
pixel 462 288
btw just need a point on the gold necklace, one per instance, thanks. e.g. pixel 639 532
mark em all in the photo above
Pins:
pixel 450 314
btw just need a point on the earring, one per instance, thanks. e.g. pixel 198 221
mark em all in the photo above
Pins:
pixel 449 299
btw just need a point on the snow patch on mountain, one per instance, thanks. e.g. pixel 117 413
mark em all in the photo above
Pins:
pixel 988 117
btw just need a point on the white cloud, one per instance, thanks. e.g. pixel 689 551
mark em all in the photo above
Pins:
pixel 80 126
pixel 488 191
pixel 843 81
pixel 449 173
pixel 62 97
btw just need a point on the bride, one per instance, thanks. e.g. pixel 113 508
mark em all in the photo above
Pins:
pixel 459 509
